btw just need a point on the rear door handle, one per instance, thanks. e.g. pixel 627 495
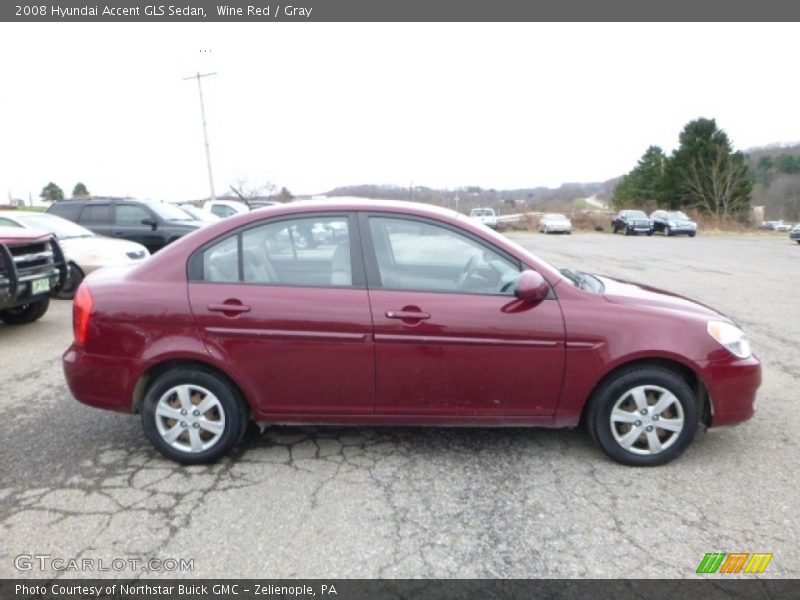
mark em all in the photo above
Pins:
pixel 229 308
pixel 407 314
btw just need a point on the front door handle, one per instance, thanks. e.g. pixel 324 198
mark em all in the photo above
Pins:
pixel 407 314
pixel 233 309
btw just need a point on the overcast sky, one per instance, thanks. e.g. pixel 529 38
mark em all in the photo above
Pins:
pixel 318 105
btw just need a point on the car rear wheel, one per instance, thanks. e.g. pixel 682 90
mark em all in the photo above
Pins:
pixel 71 282
pixel 193 416
pixel 27 313
pixel 643 416
pixel 667 231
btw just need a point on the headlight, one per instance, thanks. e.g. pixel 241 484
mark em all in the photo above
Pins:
pixel 731 337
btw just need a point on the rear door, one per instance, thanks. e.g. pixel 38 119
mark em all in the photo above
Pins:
pixel 96 216
pixel 450 337
pixel 291 318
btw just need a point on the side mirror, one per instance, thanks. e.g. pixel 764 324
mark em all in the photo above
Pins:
pixel 148 221
pixel 531 287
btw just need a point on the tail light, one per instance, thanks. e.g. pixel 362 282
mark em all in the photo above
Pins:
pixel 81 313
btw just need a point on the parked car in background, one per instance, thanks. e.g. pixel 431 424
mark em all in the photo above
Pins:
pixel 484 216
pixel 775 226
pixel 632 222
pixel 151 224
pixel 84 250
pixel 225 208
pixel 795 233
pixel 199 214
pixel 555 223
pixel 411 314
pixel 32 269
pixel 673 222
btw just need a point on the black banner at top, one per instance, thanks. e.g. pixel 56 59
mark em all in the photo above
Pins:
pixel 276 11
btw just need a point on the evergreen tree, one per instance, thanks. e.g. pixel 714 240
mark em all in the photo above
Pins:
pixel 51 193
pixel 80 191
pixel 705 172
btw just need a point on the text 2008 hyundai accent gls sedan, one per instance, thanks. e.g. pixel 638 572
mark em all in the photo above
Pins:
pixel 399 313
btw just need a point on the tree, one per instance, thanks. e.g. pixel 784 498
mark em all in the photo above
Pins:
pixel 80 191
pixel 51 193
pixel 706 173
pixel 284 195
pixel 645 183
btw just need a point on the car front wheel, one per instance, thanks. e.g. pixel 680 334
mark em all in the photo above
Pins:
pixel 27 313
pixel 643 416
pixel 71 283
pixel 193 416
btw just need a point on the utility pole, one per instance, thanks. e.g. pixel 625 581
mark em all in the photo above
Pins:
pixel 205 133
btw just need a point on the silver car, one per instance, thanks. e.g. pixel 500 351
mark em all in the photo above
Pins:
pixel 85 251
pixel 555 223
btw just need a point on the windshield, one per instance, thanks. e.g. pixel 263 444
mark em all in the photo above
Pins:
pixel 62 228
pixel 677 215
pixel 483 212
pixel 635 214
pixel 170 212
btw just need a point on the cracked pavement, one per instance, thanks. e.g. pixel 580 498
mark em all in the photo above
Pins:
pixel 77 482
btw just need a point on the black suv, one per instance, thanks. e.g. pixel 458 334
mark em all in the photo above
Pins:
pixel 632 222
pixel 152 224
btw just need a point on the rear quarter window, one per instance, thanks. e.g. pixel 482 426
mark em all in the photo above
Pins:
pixel 66 210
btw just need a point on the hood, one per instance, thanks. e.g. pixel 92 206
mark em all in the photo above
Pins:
pixel 185 224
pixel 99 245
pixel 19 234
pixel 636 294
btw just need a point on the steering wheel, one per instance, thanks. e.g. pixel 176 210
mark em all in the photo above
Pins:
pixel 467 272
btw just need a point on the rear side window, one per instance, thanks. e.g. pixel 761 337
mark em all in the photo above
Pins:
pixel 96 214
pixel 303 252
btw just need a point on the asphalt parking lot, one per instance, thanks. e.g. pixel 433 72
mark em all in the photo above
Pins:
pixel 80 483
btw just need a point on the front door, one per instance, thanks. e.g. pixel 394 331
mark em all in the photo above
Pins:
pixel 450 337
pixel 284 305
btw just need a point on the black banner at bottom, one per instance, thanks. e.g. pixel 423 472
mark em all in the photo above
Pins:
pixel 377 589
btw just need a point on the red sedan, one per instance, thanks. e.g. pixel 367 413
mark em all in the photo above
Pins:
pixel 392 313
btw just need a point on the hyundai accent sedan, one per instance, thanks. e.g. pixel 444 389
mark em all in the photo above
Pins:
pixel 410 315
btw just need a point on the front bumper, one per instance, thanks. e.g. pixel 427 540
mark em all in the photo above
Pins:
pixel 732 387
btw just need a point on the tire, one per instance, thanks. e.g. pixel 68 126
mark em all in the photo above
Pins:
pixel 169 419
pixel 615 229
pixel 695 233
pixel 625 396
pixel 668 231
pixel 627 231
pixel 649 233
pixel 27 313
pixel 71 283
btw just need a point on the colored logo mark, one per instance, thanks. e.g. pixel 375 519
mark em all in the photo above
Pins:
pixel 734 562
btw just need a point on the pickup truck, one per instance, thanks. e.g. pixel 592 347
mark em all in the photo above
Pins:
pixel 32 269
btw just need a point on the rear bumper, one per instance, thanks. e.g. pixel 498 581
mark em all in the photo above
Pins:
pixel 101 381
pixel 732 387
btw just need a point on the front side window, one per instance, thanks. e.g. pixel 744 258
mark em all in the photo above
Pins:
pixel 416 255
pixel 307 251
pixel 130 215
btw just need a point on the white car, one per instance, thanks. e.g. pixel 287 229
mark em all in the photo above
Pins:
pixel 555 223
pixel 85 251
pixel 485 216
pixel 225 208
pixel 199 214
